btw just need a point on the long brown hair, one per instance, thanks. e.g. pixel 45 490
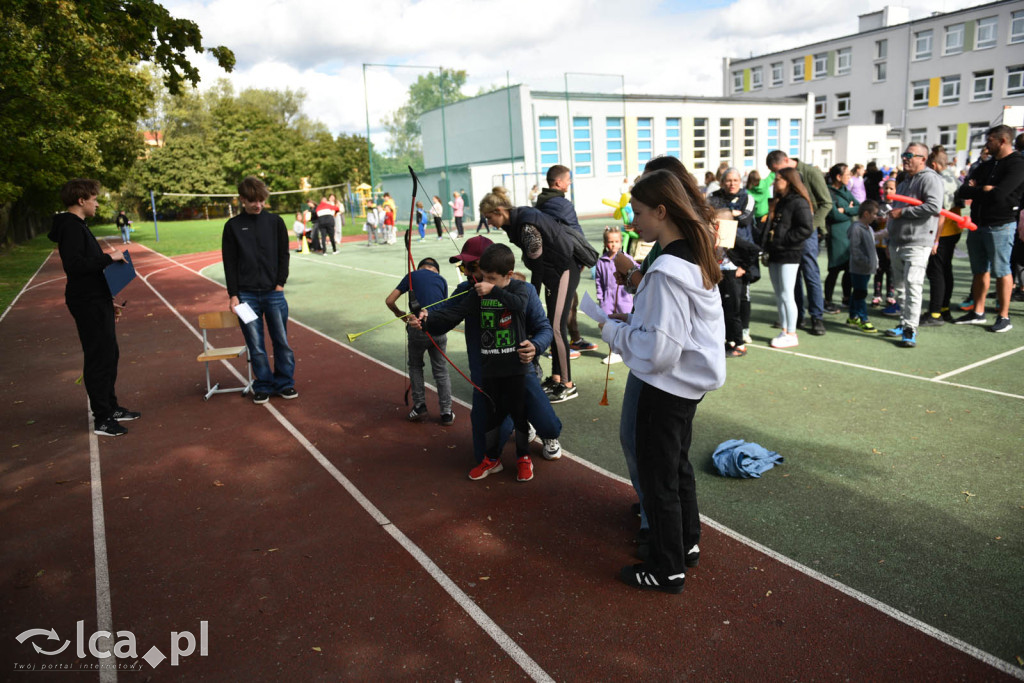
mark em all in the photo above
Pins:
pixel 663 188
pixel 792 178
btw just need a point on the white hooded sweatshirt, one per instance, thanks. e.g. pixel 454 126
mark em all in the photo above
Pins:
pixel 675 337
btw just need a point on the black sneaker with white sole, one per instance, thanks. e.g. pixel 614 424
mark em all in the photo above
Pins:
pixel 109 427
pixel 125 415
pixel 417 413
pixel 693 556
pixel 637 576
pixel 563 393
pixel 288 393
pixel 447 419
pixel 1001 325
pixel 260 397
pixel 971 318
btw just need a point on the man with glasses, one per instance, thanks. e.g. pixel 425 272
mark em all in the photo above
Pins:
pixel 912 231
pixel 995 190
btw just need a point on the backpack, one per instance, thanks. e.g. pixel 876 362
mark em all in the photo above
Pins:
pixel 372 217
pixel 584 254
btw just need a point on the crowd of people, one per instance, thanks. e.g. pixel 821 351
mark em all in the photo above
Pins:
pixel 673 316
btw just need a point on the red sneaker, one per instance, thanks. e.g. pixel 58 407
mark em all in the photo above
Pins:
pixel 524 469
pixel 486 466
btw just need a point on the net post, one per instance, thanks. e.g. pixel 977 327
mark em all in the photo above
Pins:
pixel 152 203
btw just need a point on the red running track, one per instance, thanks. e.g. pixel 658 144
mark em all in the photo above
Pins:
pixel 327 538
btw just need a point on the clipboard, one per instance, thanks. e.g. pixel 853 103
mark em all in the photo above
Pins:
pixel 119 274
pixel 726 233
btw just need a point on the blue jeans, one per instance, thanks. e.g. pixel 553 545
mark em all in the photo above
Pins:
pixel 859 298
pixel 272 307
pixel 538 411
pixel 627 438
pixel 811 276
pixel 784 276
pixel 989 248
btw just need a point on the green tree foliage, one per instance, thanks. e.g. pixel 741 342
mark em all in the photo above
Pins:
pixel 71 91
pixel 213 140
pixel 403 125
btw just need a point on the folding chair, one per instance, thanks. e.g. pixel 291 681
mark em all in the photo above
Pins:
pixel 217 321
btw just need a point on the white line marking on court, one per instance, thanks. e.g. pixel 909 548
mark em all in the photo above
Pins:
pixel 104 617
pixel 933 380
pixel 902 617
pixel 480 617
pixel 978 364
pixel 342 265
pixel 26 287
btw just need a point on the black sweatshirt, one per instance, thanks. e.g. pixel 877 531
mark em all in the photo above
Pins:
pixel 82 257
pixel 999 205
pixel 255 252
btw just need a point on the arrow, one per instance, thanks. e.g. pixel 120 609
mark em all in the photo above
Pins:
pixel 50 635
pixel 55 652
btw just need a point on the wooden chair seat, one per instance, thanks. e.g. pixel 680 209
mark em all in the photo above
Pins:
pixel 218 320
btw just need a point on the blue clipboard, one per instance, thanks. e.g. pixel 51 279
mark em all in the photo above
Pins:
pixel 119 274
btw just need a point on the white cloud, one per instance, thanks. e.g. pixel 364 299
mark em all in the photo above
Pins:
pixel 320 45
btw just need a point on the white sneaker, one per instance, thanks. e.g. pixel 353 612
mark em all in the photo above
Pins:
pixel 532 434
pixel 746 337
pixel 552 449
pixel 611 358
pixel 785 341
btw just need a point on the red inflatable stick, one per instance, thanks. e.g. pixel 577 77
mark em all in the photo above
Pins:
pixel 963 221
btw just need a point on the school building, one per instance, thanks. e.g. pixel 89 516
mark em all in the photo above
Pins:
pixel 510 137
pixel 943 79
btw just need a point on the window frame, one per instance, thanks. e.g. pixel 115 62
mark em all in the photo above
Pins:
pixel 816 72
pixel 737 81
pixel 884 69
pixel 1016 30
pixel 1018 71
pixel 994 40
pixel 795 66
pixel 781 69
pixel 924 35
pixel 981 95
pixel 882 49
pixel 925 87
pixel 951 31
pixel 842 53
pixel 820 107
pixel 614 135
pixel 842 112
pixel 954 97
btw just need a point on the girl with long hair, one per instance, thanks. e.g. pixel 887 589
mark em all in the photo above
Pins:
pixel 547 252
pixel 845 208
pixel 672 343
pixel 784 242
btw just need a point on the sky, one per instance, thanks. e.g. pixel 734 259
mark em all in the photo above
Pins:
pixel 670 47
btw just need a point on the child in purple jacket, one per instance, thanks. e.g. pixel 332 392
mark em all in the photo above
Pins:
pixel 612 297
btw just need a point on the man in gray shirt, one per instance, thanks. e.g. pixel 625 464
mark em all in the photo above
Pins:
pixel 912 231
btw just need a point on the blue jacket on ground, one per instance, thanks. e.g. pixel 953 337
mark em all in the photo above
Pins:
pixel 738 458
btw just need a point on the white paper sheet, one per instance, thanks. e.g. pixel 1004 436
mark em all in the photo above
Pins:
pixel 592 310
pixel 245 313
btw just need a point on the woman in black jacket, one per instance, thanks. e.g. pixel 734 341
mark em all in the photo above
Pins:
pixel 791 225
pixel 547 252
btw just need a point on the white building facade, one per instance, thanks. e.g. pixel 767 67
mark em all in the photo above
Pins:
pixel 511 137
pixel 943 80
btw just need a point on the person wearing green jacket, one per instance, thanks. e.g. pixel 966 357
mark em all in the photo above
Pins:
pixel 821 204
pixel 844 209
pixel 760 188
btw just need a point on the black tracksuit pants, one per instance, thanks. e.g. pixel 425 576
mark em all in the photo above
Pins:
pixel 95 322
pixel 664 427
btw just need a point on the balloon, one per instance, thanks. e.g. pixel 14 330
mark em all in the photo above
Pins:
pixel 622 208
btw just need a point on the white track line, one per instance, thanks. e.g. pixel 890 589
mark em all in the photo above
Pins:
pixel 503 640
pixel 104 616
pixel 933 380
pixel 891 612
pixel 978 364
pixel 26 287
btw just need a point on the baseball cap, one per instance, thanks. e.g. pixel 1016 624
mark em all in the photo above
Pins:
pixel 472 250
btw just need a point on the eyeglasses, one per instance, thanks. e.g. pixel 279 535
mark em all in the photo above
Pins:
pixel 907 156
pixel 469 268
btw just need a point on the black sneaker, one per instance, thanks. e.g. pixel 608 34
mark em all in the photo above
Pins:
pixel 832 308
pixel 582 344
pixel 260 397
pixel 562 393
pixel 548 385
pixel 417 413
pixel 637 576
pixel 448 419
pixel 817 327
pixel 109 427
pixel 1001 325
pixel 931 320
pixel 125 415
pixel 693 556
pixel 288 393
pixel 946 315
pixel 971 318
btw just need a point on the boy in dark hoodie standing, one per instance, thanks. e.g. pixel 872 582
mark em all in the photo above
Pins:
pixel 254 248
pixel 87 296
pixel 552 201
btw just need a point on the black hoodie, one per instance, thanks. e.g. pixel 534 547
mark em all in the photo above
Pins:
pixel 82 257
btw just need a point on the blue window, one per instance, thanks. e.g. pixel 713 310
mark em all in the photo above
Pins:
pixel 773 134
pixel 613 143
pixel 795 130
pixel 547 133
pixel 581 146
pixel 645 140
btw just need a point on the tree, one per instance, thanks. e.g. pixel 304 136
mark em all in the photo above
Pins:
pixel 71 91
pixel 403 125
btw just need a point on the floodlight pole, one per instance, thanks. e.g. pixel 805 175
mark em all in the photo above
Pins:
pixel 444 141
pixel 511 147
pixel 369 145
